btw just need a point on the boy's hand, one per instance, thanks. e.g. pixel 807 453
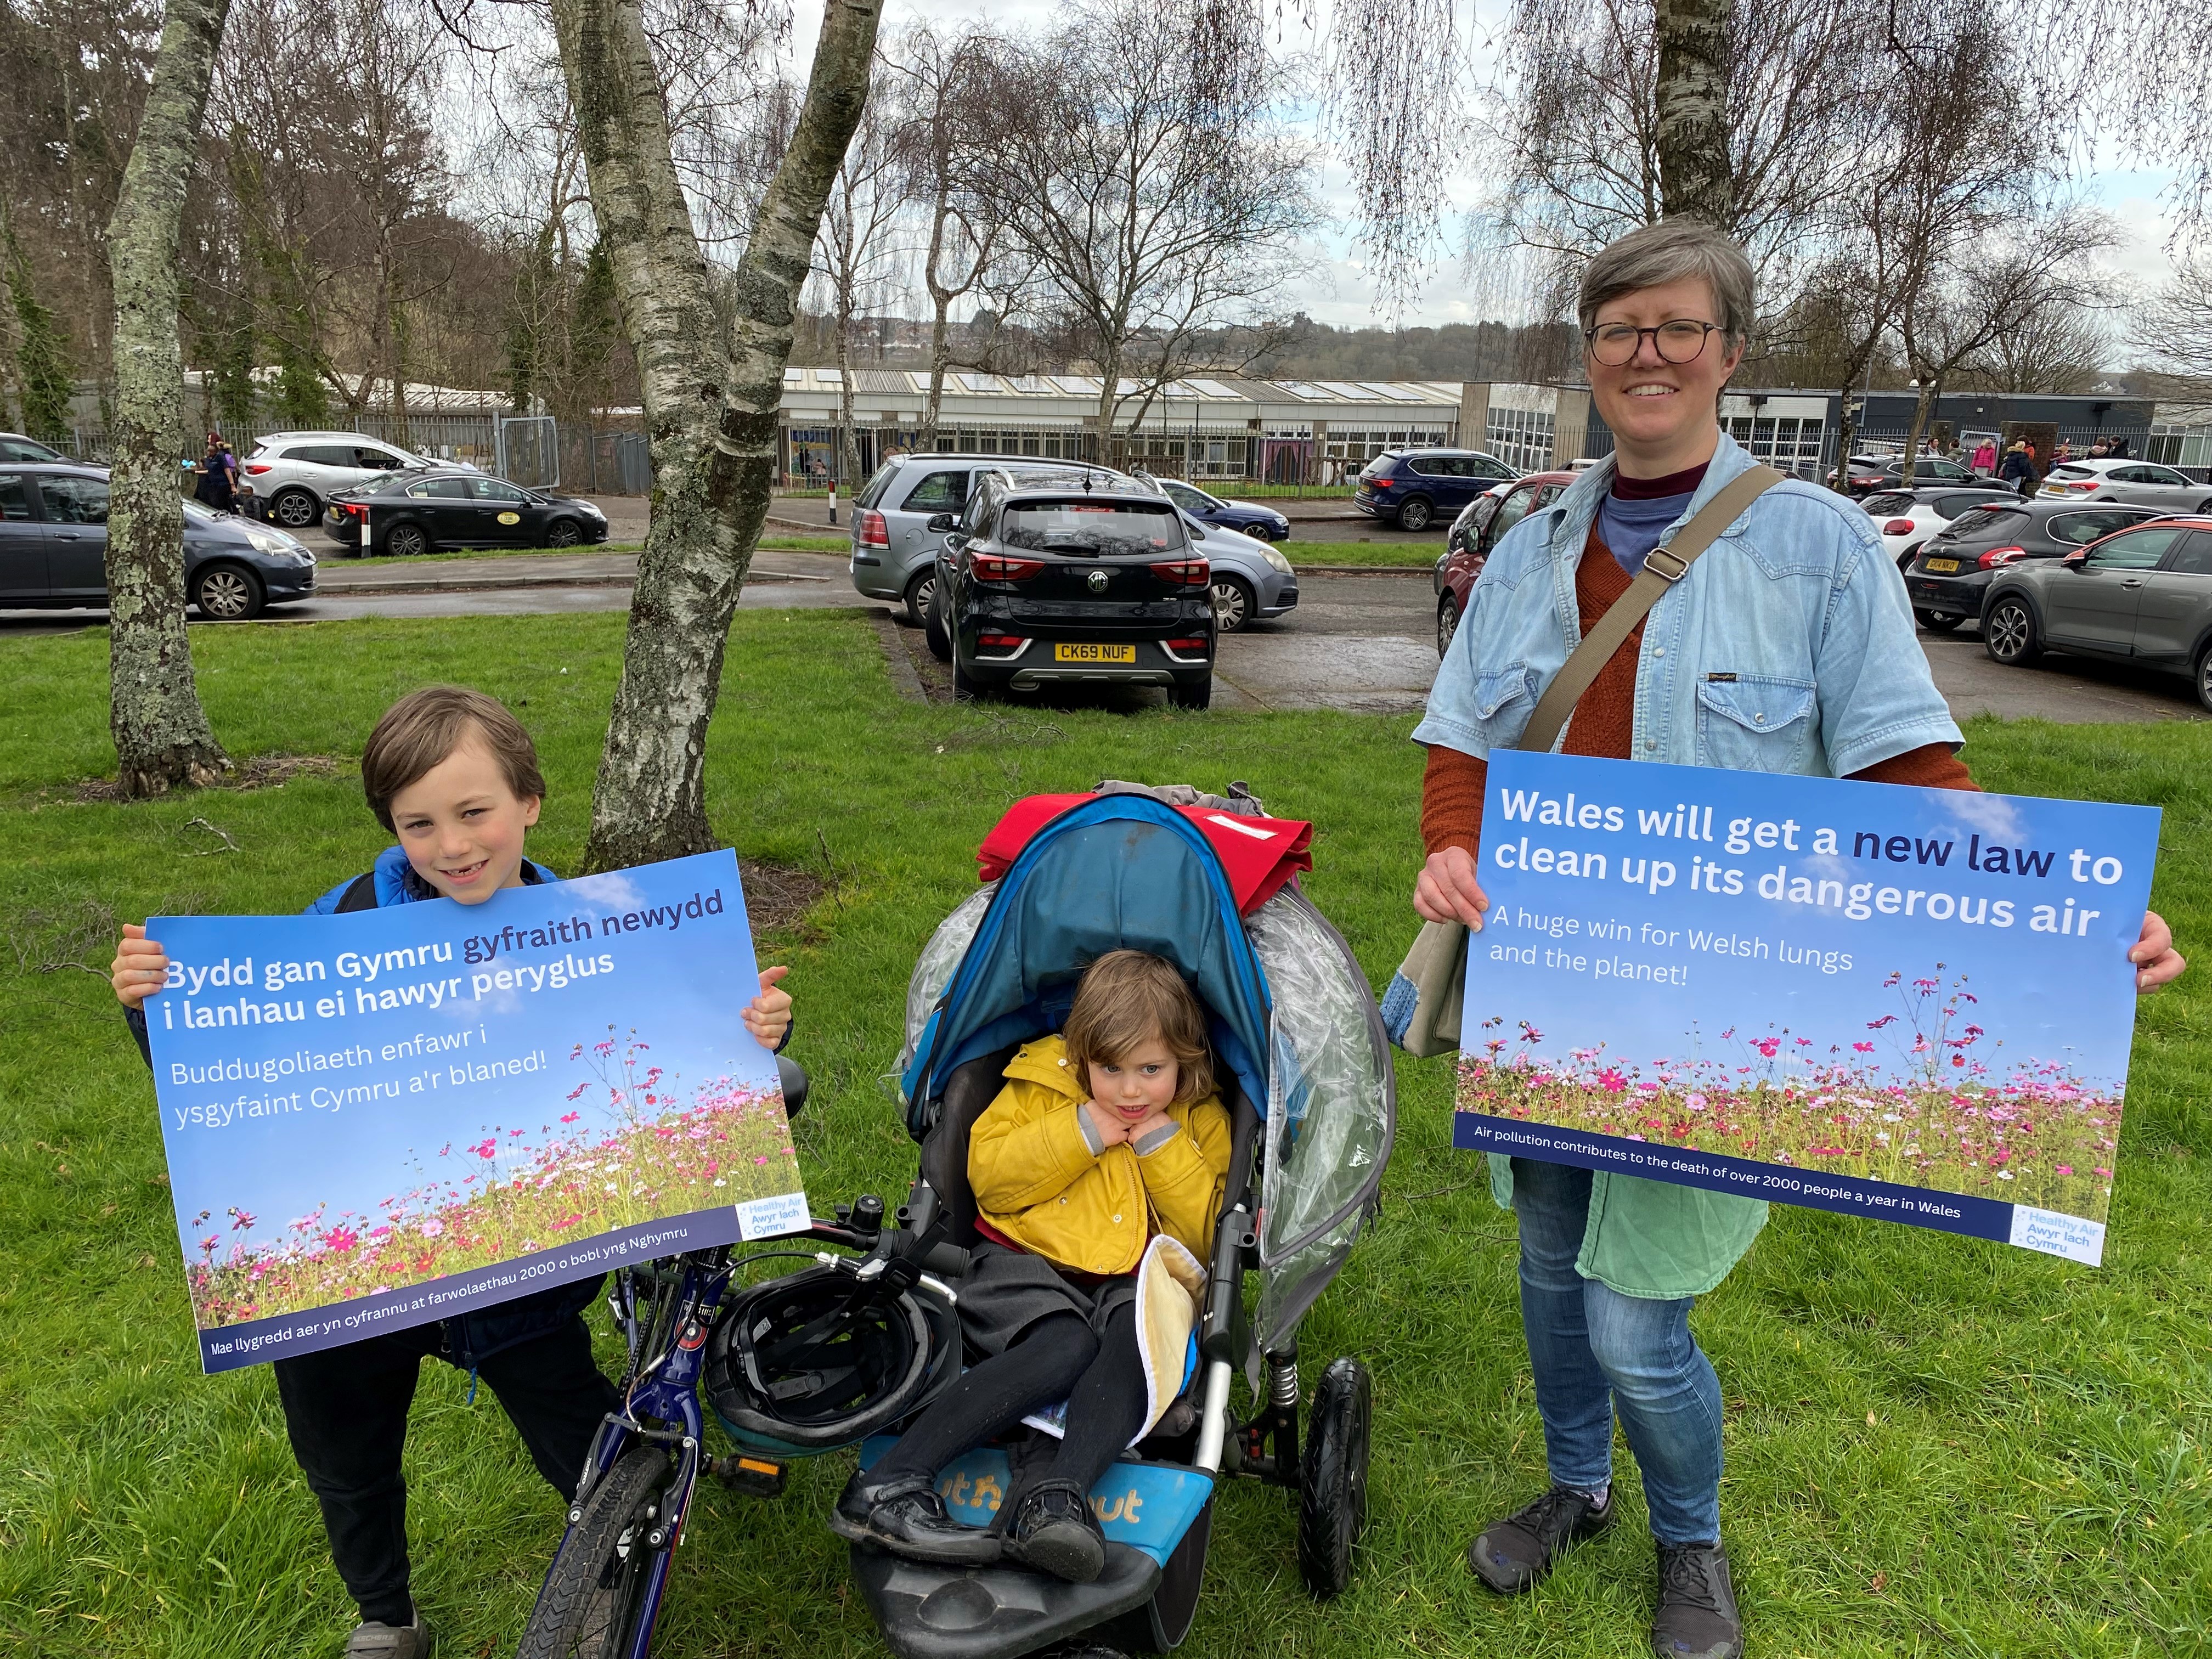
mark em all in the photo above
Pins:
pixel 1111 1130
pixel 768 1016
pixel 141 966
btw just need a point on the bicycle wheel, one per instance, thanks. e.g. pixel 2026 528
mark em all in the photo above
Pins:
pixel 593 1598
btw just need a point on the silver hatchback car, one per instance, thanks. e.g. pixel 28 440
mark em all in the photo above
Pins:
pixel 2143 483
pixel 895 551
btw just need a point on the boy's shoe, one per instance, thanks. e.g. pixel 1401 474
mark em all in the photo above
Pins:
pixel 905 1515
pixel 1697 1617
pixel 371 1640
pixel 1054 1532
pixel 1514 1554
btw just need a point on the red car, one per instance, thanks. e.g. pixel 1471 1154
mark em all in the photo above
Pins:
pixel 1475 531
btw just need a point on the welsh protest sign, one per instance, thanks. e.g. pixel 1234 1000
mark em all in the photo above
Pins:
pixel 377 1120
pixel 1906 1003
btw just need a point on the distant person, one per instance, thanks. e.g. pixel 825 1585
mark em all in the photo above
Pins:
pixel 2063 454
pixel 217 488
pixel 2018 469
pixel 2120 450
pixel 1985 457
pixel 2100 449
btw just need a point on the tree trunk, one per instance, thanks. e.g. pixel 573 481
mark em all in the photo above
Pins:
pixel 848 440
pixel 1693 129
pixel 1931 388
pixel 161 734
pixel 711 403
pixel 940 356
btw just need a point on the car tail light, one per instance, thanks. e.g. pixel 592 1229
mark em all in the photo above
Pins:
pixel 1188 573
pixel 1376 483
pixel 1897 527
pixel 1186 645
pixel 988 568
pixel 257 468
pixel 1000 642
pixel 869 529
pixel 1997 555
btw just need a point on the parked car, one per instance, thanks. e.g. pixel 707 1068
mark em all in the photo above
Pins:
pixel 2141 595
pixel 1869 473
pixel 893 552
pixel 1476 531
pixel 1412 489
pixel 15 446
pixel 53 549
pixel 1907 518
pixel 420 512
pixel 1251 581
pixel 1950 580
pixel 294 475
pixel 1071 577
pixel 2138 482
pixel 1246 518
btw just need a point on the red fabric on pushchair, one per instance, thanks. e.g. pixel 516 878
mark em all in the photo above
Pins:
pixel 1259 855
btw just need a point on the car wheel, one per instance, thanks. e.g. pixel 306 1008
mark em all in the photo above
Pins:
pixel 1904 559
pixel 405 541
pixel 1447 622
pixel 933 631
pixel 920 596
pixel 1936 622
pixel 1233 605
pixel 563 532
pixel 2205 505
pixel 1416 515
pixel 227 593
pixel 1199 694
pixel 295 510
pixel 2008 633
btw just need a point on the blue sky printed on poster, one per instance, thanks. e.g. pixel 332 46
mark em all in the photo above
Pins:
pixel 381 1119
pixel 1904 1002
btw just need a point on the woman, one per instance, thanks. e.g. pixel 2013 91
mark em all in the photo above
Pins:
pixel 1798 592
pixel 218 485
pixel 2018 470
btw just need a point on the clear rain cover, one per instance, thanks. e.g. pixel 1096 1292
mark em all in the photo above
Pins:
pixel 1331 1108
pixel 939 960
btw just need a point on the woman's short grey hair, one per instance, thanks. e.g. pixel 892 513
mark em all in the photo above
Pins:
pixel 1652 256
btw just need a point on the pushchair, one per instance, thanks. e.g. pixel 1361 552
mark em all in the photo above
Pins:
pixel 1308 1080
pixel 847 1350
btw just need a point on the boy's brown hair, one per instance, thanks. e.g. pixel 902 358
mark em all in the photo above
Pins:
pixel 1127 999
pixel 424 727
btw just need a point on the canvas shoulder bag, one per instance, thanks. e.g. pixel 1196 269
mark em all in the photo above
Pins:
pixel 1421 1009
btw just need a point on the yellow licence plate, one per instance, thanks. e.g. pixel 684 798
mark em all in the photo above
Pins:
pixel 1094 653
pixel 1946 566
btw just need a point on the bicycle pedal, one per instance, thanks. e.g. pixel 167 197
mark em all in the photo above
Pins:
pixel 755 1477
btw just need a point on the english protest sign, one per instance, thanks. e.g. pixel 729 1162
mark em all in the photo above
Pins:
pixel 1907 1003
pixel 377 1119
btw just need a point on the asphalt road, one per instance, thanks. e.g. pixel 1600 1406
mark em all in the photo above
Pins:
pixel 1361 643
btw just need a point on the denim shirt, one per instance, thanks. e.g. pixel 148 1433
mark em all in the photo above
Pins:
pixel 1795 602
pixel 1798 606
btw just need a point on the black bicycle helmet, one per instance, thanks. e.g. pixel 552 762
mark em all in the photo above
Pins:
pixel 824 1358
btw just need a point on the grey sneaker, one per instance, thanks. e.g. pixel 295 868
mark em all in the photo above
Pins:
pixel 376 1641
pixel 1697 1617
pixel 1514 1554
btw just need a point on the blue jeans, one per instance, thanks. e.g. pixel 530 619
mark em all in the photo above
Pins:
pixel 1596 1351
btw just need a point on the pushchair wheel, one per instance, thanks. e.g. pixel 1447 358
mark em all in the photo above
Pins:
pixel 594 1601
pixel 1333 1485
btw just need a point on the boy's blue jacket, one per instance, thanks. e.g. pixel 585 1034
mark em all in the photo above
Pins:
pixel 470 1338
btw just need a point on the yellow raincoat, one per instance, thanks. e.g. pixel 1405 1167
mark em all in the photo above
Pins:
pixel 1036 1182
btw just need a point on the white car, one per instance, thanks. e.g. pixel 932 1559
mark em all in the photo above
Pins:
pixel 1905 519
pixel 2140 482
pixel 295 474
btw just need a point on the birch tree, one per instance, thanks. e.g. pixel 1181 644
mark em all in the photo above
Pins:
pixel 711 392
pixel 161 734
pixel 1691 133
pixel 857 252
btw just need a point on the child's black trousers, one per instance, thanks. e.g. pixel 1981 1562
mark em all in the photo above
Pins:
pixel 346 1410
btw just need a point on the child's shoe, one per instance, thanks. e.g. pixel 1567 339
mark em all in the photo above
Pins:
pixel 371 1640
pixel 1054 1532
pixel 905 1515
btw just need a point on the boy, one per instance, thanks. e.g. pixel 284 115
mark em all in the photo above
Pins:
pixel 455 776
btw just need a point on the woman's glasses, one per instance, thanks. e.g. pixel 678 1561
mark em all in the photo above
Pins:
pixel 1614 344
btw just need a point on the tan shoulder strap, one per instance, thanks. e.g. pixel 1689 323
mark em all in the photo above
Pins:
pixel 1661 570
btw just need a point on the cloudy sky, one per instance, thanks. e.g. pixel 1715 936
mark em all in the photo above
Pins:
pixel 1333 286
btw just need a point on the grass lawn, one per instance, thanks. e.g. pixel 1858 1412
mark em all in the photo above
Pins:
pixel 1936 1446
pixel 1393 550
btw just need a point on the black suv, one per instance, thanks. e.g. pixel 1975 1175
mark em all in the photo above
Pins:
pixel 1081 577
